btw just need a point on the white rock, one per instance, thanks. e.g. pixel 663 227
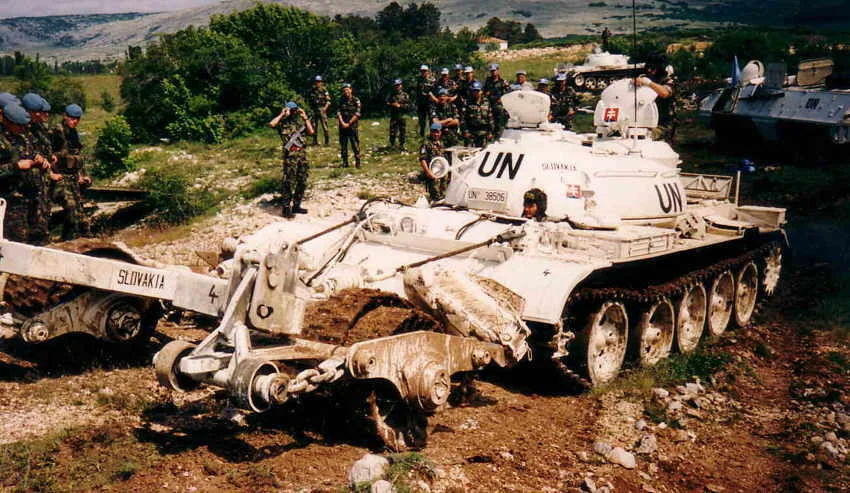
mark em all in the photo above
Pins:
pixel 830 437
pixel 660 394
pixel 640 424
pixel 817 440
pixel 235 416
pixel 619 456
pixel 588 485
pixel 830 449
pixel 674 406
pixel 647 444
pixel 382 486
pixel 368 468
pixel 602 448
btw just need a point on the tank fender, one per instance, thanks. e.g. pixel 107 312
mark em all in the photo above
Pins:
pixel 544 284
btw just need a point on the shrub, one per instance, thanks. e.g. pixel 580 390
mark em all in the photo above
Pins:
pixel 113 147
pixel 172 198
pixel 107 102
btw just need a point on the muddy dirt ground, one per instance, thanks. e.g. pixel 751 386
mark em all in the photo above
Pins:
pixel 76 416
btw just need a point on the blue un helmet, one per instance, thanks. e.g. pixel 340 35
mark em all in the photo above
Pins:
pixel 45 106
pixel 7 97
pixel 31 102
pixel 16 114
pixel 494 66
pixel 436 126
pixel 74 110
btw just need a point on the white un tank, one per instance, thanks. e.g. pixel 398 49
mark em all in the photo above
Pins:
pixel 632 260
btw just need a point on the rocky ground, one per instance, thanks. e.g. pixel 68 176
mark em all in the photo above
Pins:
pixel 768 411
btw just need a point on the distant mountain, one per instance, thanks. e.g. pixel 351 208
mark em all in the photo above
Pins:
pixel 106 36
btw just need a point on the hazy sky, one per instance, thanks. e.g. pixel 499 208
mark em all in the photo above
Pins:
pixel 33 8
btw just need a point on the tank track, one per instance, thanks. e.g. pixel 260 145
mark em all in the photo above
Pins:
pixel 27 297
pixel 648 295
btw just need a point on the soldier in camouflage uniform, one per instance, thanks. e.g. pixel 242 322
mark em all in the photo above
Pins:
pixel 458 76
pixel 564 102
pixel 399 103
pixel 431 148
pixel 319 99
pixel 348 114
pixel 478 121
pixel 65 141
pixel 521 83
pixel 424 98
pixel 38 181
pixel 295 167
pixel 445 82
pixel 464 88
pixel 17 158
pixel 445 113
pixel 659 77
pixel 494 88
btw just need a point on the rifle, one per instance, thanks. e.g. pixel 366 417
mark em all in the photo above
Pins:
pixel 296 140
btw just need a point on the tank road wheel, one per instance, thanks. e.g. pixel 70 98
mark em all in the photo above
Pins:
pixel 772 271
pixel 244 388
pixel 655 332
pixel 578 80
pixel 690 321
pixel 606 336
pixel 721 301
pixel 746 294
pixel 166 364
pixel 397 424
pixel 602 84
pixel 590 83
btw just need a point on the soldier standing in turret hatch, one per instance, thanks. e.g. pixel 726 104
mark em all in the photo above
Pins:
pixel 348 114
pixel 521 83
pixel 431 148
pixel 295 166
pixel 67 147
pixel 424 86
pixel 319 100
pixel 494 88
pixel 478 121
pixel 399 103
pixel 17 158
pixel 659 77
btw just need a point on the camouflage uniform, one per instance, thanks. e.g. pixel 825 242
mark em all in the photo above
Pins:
pixel 424 86
pixel 398 125
pixel 563 102
pixel 666 129
pixel 447 84
pixel 66 192
pixel 13 148
pixel 478 122
pixel 460 84
pixel 494 89
pixel 348 109
pixel 436 188
pixel 318 98
pixel 38 184
pixel 442 111
pixel 295 166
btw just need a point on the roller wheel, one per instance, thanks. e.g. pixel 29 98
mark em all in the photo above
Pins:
pixel 746 294
pixel 602 343
pixel 397 424
pixel 655 332
pixel 131 320
pixel 578 80
pixel 721 303
pixel 166 365
pixel 244 389
pixel 690 320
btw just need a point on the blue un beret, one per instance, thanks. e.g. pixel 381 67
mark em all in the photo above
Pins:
pixel 7 97
pixel 317 78
pixel 476 86
pixel 436 126
pixel 16 114
pixel 45 106
pixel 292 105
pixel 74 110
pixel 31 102
pixel 345 84
pixel 396 82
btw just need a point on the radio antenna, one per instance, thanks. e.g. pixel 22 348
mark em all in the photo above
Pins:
pixel 634 53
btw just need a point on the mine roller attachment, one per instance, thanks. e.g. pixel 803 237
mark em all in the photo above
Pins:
pixel 166 364
pixel 47 309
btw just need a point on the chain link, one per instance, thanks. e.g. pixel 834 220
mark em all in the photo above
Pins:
pixel 329 370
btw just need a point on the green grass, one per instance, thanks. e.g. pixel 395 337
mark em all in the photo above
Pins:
pixel 702 363
pixel 537 67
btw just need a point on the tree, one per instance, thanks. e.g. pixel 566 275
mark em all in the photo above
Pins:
pixel 531 34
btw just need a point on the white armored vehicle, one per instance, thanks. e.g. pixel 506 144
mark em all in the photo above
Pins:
pixel 628 258
pixel 599 70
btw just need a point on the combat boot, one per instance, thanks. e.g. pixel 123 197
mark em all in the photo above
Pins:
pixel 287 212
pixel 357 163
pixel 297 209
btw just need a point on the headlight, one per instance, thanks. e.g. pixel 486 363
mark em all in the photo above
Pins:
pixel 439 167
pixel 407 224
